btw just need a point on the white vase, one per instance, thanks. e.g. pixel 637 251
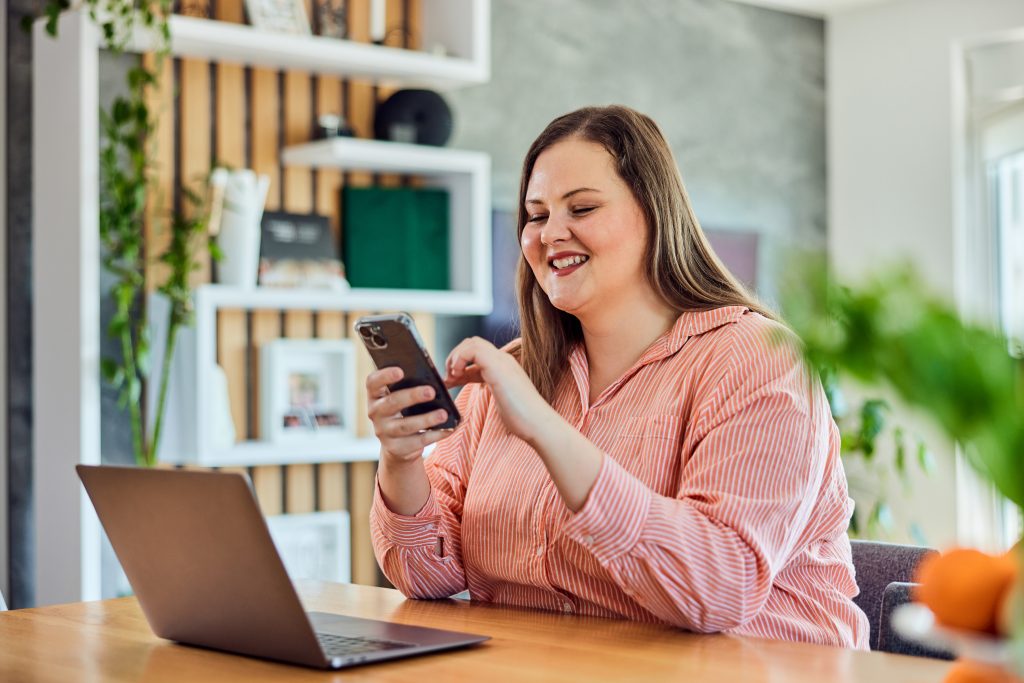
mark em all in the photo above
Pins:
pixel 239 237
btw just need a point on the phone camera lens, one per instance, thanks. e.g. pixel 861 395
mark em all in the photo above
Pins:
pixel 379 341
pixel 365 332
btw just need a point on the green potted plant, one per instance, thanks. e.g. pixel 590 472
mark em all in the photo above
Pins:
pixel 126 190
pixel 965 376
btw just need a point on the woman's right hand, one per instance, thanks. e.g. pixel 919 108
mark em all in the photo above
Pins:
pixel 402 439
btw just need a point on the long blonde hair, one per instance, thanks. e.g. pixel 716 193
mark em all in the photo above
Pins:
pixel 680 264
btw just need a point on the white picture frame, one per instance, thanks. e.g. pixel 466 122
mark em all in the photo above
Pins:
pixel 308 392
pixel 314 546
pixel 279 16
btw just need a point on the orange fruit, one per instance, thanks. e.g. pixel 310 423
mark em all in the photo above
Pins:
pixel 1011 607
pixel 966 671
pixel 964 588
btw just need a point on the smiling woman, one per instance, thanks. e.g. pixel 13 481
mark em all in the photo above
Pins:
pixel 646 450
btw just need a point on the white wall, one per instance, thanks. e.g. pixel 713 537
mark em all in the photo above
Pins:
pixel 891 151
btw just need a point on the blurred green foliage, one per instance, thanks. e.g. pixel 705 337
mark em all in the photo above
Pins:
pixel 891 330
pixel 861 431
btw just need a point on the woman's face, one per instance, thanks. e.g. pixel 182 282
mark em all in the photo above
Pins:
pixel 585 237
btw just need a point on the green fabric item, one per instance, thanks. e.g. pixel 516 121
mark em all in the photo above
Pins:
pixel 395 237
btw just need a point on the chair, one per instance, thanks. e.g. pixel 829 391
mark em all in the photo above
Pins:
pixel 884 575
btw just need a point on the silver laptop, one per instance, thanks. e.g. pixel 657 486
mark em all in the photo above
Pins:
pixel 201 561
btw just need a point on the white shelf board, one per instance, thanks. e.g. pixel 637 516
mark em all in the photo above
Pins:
pixel 255 453
pixel 384 157
pixel 357 299
pixel 223 41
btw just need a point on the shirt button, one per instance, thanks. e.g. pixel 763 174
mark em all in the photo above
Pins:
pixel 540 550
pixel 588 539
pixel 567 608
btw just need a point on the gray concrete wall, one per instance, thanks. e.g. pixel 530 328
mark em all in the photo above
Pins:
pixel 739 92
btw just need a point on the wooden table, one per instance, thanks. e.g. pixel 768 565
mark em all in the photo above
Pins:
pixel 110 641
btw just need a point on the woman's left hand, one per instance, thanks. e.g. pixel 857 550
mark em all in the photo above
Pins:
pixel 523 410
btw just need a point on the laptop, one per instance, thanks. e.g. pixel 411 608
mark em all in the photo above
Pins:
pixel 199 556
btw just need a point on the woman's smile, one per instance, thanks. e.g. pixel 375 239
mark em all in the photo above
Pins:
pixel 564 264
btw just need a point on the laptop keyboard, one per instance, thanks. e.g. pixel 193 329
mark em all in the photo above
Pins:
pixel 343 646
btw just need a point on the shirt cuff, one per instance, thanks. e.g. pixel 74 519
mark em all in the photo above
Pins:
pixel 407 530
pixel 613 517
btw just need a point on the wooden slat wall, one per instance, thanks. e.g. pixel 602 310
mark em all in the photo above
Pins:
pixel 241 117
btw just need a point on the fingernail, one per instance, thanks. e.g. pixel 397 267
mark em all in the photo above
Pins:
pixel 440 415
pixel 427 393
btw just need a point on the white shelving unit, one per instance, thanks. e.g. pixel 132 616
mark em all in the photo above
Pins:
pixel 467 178
pixel 466 62
pixel 66 328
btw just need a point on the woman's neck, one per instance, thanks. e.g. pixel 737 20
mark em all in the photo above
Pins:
pixel 616 337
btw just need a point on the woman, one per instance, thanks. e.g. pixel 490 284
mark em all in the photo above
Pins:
pixel 646 450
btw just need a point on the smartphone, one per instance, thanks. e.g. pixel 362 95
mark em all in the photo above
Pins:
pixel 393 341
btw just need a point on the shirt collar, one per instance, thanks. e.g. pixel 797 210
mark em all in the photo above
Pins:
pixel 688 324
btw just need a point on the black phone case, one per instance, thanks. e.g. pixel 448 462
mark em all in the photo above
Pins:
pixel 405 350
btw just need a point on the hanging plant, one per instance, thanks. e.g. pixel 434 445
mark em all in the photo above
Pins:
pixel 126 186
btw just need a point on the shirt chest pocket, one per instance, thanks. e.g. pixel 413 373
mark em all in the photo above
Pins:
pixel 649 447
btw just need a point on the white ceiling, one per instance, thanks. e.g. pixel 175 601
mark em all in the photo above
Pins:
pixel 812 8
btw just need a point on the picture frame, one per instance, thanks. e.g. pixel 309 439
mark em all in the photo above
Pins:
pixel 279 16
pixel 307 392
pixel 299 250
pixel 314 546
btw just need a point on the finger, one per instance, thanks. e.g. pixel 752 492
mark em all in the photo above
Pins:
pixel 407 426
pixel 396 402
pixel 471 375
pixel 377 381
pixel 461 357
pixel 407 445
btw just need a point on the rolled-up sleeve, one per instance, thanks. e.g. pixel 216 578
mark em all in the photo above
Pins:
pixel 421 554
pixel 706 559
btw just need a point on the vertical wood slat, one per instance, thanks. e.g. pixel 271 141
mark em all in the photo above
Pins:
pixel 264 133
pixel 297 114
pixel 231 133
pixel 194 146
pixel 364 564
pixel 328 181
pixel 361 102
pixel 161 104
pixel 264 137
pixel 361 483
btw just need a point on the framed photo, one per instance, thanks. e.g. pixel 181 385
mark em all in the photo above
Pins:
pixel 307 391
pixel 280 16
pixel 314 546
pixel 299 250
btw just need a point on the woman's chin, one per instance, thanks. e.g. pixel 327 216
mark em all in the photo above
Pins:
pixel 566 304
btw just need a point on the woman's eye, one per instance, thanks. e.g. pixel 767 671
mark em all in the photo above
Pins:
pixel 583 210
pixel 536 218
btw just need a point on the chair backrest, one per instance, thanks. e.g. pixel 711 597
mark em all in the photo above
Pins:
pixel 877 565
pixel 895 594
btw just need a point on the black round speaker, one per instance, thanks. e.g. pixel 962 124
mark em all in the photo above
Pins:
pixel 417 116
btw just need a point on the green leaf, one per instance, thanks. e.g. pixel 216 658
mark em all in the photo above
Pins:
pixel 900 457
pixel 216 253
pixel 112 373
pixel 925 458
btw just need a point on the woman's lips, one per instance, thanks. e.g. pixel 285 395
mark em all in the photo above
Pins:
pixel 568 270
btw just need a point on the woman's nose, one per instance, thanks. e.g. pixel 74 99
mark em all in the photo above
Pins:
pixel 555 230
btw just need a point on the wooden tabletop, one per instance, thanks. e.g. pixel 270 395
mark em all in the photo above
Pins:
pixel 110 641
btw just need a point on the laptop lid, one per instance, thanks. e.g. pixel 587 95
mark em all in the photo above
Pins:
pixel 201 561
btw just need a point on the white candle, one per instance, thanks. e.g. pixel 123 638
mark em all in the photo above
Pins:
pixel 377 29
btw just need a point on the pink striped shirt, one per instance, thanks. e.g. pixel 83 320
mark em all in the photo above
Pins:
pixel 721 504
